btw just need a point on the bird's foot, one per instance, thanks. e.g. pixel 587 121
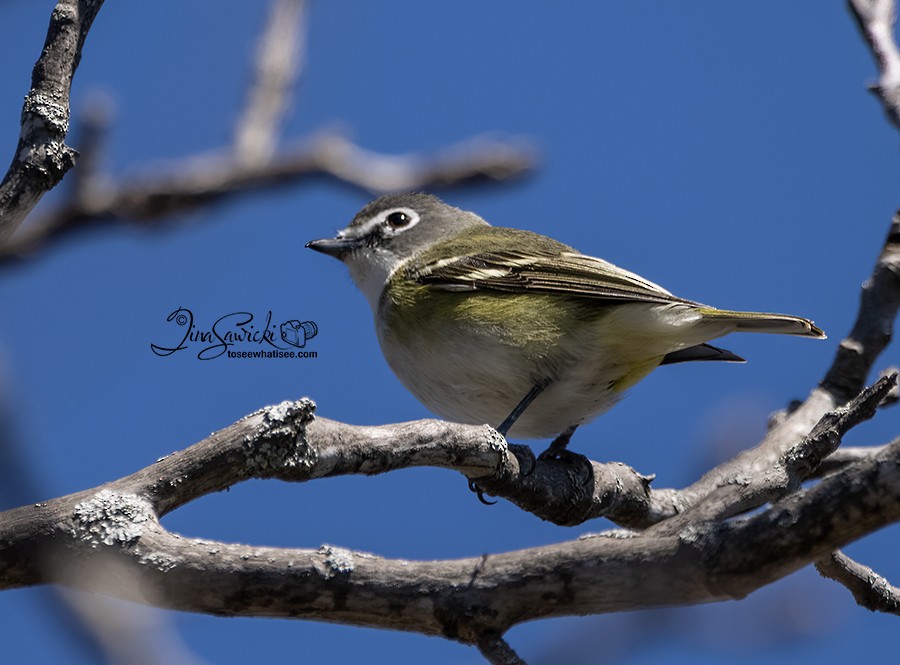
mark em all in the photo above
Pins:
pixel 557 450
pixel 525 457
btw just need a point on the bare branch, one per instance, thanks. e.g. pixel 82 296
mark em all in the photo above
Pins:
pixel 554 490
pixel 278 62
pixel 470 600
pixel 565 492
pixel 42 158
pixel 802 460
pixel 846 456
pixel 202 181
pixel 737 486
pixel 876 19
pixel 869 588
pixel 873 329
pixel 790 526
pixel 497 652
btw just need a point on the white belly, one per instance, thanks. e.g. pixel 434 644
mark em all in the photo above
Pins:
pixel 480 380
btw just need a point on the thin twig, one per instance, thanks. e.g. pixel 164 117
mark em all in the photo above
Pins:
pixel 742 488
pixel 497 651
pixel 803 459
pixel 872 331
pixel 870 589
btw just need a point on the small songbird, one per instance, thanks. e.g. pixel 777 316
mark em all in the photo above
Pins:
pixel 494 325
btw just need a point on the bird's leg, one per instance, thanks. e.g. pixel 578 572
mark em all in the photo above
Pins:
pixel 504 427
pixel 557 447
pixel 536 390
pixel 523 404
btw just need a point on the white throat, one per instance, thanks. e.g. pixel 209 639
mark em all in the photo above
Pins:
pixel 371 272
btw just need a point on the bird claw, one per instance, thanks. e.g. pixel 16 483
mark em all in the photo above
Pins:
pixel 473 487
pixel 557 448
pixel 521 451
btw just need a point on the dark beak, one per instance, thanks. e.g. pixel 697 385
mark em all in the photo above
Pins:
pixel 335 247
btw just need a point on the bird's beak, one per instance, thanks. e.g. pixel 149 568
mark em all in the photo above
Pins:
pixel 335 247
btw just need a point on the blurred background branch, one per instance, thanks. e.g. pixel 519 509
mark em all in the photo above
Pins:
pixel 259 159
pixel 876 19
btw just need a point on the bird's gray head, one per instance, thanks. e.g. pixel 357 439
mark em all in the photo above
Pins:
pixel 390 230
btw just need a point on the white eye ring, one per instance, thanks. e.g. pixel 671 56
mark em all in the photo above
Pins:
pixel 398 220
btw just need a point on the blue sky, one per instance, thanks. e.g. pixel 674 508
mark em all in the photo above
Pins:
pixel 728 151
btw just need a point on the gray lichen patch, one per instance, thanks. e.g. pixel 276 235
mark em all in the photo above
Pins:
pixel 618 534
pixel 496 441
pixel 55 115
pixel 160 561
pixel 280 441
pixel 300 411
pixel 338 561
pixel 110 518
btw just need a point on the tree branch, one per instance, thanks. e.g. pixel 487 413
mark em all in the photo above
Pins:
pixel 869 588
pixel 202 181
pixel 473 600
pixel 845 456
pixel 873 329
pixel 497 652
pixel 875 19
pixel 42 158
pixel 740 487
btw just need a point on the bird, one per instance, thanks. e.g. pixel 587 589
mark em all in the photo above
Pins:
pixel 502 326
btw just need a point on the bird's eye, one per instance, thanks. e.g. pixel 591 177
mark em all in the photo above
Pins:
pixel 398 220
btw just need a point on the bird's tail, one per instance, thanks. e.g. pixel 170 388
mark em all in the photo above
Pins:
pixel 761 322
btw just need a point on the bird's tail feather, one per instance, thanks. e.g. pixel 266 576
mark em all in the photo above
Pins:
pixel 762 322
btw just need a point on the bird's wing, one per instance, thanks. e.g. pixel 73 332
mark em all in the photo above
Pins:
pixel 561 273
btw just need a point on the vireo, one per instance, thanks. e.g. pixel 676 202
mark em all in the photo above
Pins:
pixel 507 327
